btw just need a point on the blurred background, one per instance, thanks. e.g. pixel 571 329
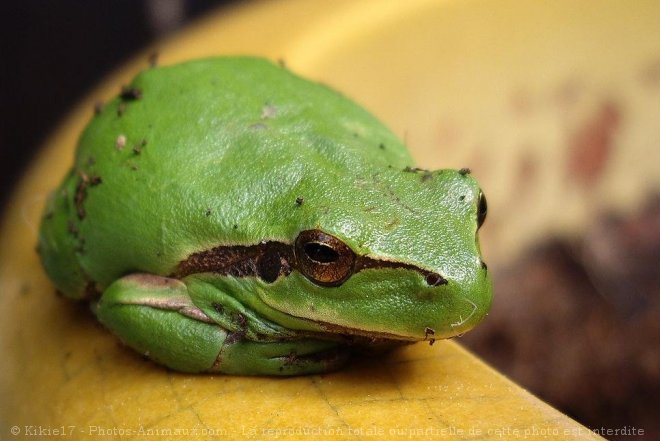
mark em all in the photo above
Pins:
pixel 53 53
pixel 555 107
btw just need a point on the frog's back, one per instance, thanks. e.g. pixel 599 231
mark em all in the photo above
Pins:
pixel 200 154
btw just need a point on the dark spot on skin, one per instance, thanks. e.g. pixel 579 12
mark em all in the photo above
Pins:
pixel 356 135
pixel 235 337
pixel 461 198
pixel 73 229
pixel 290 359
pixel 235 226
pixel 91 161
pixel 98 107
pixel 433 279
pixel 207 212
pixel 242 321
pixel 300 200
pixel 81 191
pixel 217 307
pixel 269 264
pixel 381 146
pixel 281 62
pixel 137 148
pixel 464 171
pixel 425 174
pixel 134 167
pixel 429 332
pixel 484 266
pixel 49 215
pixel 153 59
pixel 130 93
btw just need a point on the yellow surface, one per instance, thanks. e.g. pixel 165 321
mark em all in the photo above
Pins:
pixel 444 75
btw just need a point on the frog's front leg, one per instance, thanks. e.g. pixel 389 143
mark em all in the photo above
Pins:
pixel 157 317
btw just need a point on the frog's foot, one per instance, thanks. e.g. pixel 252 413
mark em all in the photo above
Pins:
pixel 156 316
pixel 297 357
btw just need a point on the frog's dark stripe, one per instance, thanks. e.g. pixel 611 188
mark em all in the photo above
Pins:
pixel 267 260
pixel 270 260
pixel 432 278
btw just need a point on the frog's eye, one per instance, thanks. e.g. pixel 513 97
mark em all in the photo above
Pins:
pixel 482 210
pixel 323 258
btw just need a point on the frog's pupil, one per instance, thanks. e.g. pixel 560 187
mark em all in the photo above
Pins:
pixel 321 253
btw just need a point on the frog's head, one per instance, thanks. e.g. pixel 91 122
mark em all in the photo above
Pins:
pixel 396 256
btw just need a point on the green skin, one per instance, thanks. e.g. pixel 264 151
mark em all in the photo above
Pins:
pixel 232 152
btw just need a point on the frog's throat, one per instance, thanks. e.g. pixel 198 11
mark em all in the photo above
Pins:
pixel 270 260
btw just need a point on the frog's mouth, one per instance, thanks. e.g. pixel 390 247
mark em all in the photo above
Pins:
pixel 374 336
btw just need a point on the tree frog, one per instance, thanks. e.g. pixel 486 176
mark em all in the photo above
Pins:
pixel 226 215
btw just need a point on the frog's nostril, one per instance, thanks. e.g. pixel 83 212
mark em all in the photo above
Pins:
pixel 434 279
